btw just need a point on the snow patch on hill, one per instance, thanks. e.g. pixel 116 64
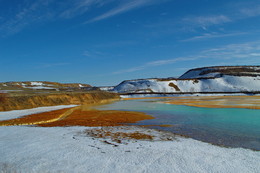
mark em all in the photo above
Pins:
pixel 106 88
pixel 37 83
pixel 208 79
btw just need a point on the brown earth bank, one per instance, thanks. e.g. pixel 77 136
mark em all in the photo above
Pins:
pixel 31 101
pixel 79 116
pixel 96 118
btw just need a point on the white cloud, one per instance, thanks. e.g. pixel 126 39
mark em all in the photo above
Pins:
pixel 244 53
pixel 124 7
pixel 251 12
pixel 255 54
pixel 133 69
pixel 50 65
pixel 79 7
pixel 93 54
pixel 155 63
pixel 213 35
pixel 40 11
pixel 203 21
pixel 249 50
pixel 31 12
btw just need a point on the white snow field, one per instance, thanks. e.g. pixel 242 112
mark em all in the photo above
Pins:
pixel 65 149
pixel 207 79
pixel 6 115
pixel 223 84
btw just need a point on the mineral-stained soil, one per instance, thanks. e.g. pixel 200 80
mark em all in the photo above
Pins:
pixel 248 102
pixel 79 116
pixel 27 101
pixel 99 118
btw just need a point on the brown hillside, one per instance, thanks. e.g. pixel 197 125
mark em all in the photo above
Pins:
pixel 32 101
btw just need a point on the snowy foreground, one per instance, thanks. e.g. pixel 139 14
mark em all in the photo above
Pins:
pixel 68 149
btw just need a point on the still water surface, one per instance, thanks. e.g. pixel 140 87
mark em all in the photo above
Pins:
pixel 230 127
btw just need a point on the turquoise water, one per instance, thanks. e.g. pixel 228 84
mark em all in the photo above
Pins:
pixel 230 127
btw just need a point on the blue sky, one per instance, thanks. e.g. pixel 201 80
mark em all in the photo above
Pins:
pixel 102 42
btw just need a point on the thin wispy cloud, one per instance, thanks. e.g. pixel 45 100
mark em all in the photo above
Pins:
pixel 80 7
pixel 251 12
pixel 255 54
pixel 31 13
pixel 51 65
pixel 122 8
pixel 239 53
pixel 40 11
pixel 113 44
pixel 93 54
pixel 155 63
pixel 188 24
pixel 249 50
pixel 205 21
pixel 213 35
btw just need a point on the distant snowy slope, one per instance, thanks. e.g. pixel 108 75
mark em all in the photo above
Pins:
pixel 32 85
pixel 106 88
pixel 209 79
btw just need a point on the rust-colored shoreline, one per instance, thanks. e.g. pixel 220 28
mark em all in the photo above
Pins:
pixel 79 116
pixel 246 102
pixel 214 106
pixel 84 115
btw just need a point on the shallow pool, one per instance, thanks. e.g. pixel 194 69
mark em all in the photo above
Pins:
pixel 230 127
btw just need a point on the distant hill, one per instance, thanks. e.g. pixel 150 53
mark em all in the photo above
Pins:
pixel 38 86
pixel 206 79
pixel 26 95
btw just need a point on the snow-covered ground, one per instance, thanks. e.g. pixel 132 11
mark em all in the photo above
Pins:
pixel 206 79
pixel 222 84
pixel 67 149
pixel 40 87
pixel 70 149
pixel 6 115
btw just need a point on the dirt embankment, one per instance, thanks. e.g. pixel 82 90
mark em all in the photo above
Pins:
pixel 32 101
pixel 79 116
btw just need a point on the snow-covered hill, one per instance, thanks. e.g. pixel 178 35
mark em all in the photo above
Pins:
pixel 207 79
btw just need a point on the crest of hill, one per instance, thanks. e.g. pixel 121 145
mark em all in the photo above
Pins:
pixel 220 71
